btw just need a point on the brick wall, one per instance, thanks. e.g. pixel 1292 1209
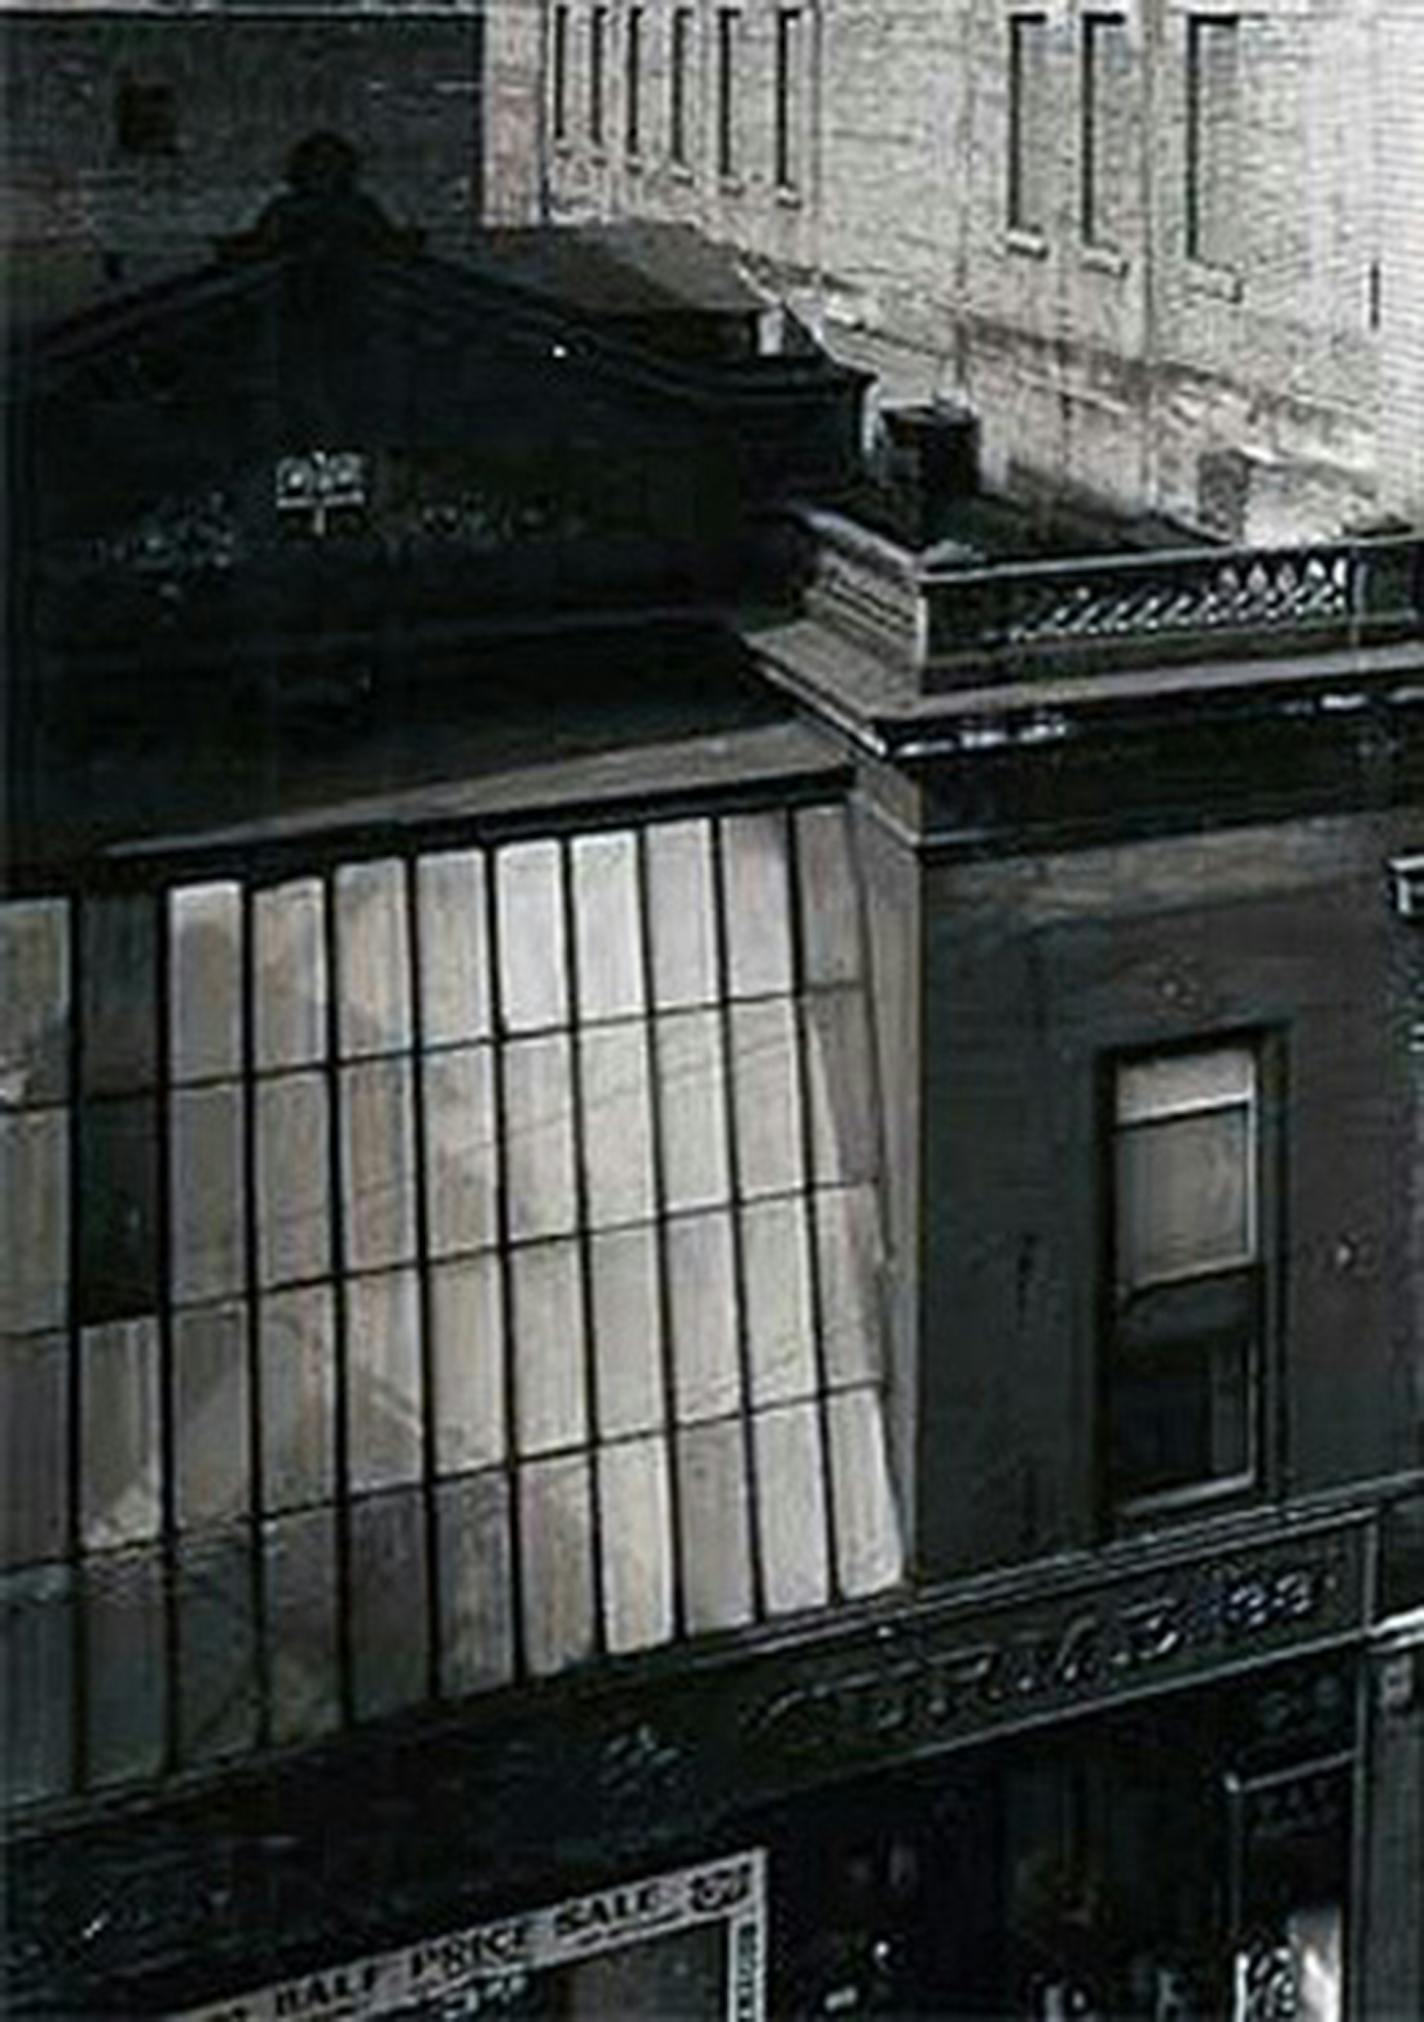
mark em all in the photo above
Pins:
pixel 94 204
pixel 1126 369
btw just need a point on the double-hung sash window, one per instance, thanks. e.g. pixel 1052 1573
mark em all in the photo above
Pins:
pixel 1187 1274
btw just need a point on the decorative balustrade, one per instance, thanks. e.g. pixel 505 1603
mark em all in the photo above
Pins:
pixel 956 617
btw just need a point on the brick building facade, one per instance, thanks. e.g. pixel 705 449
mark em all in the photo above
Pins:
pixel 1171 256
pixel 135 136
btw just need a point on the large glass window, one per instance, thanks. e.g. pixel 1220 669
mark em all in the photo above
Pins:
pixel 1187 1253
pixel 1029 123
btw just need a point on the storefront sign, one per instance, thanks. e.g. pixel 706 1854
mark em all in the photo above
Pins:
pixel 931 1684
pixel 493 1968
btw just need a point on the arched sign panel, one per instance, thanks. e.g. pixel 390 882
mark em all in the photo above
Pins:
pixel 691 1944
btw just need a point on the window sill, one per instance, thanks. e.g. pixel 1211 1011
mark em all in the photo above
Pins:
pixel 1104 260
pixel 1028 245
pixel 1223 284
pixel 731 186
pixel 789 197
pixel 633 164
pixel 681 172
pixel 1135 1513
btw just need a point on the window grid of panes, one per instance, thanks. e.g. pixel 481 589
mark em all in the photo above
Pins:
pixel 428 1274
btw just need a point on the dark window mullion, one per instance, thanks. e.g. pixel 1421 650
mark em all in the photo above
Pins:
pixel 336 1185
pixel 498 1040
pixel 79 1640
pixel 167 1109
pixel 664 1295
pixel 253 1344
pixel 800 1010
pixel 722 981
pixel 424 1289
pixel 582 1236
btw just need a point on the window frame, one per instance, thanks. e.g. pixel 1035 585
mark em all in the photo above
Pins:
pixel 633 84
pixel 1199 25
pixel 681 39
pixel 1162 1316
pixel 597 78
pixel 1018 138
pixel 1094 23
pixel 789 27
pixel 559 73
pixel 729 31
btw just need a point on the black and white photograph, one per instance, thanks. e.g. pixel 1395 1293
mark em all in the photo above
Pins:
pixel 712 1011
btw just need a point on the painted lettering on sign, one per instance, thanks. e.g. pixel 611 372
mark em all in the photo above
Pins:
pixel 488 1964
pixel 1094 1649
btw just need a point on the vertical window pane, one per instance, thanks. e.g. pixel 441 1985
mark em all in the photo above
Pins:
pixel 467 1318
pixel 768 1099
pixel 210 1415
pixel 692 1103
pixel 205 980
pixel 298 1350
pixel 34 1440
pixel 383 1381
pixel 755 871
pixel 119 1208
pixel 378 1159
pixel 1184 1196
pixel 34 1001
pixel 300 1576
pixel 716 1543
pixel 627 1331
pixel 119 1010
pixel 777 1270
pixel 830 896
pixel 36 1683
pixel 217 1647
pixel 454 945
pixel 556 1563
pixel 208 1244
pixel 34 1223
pixel 547 1315
pixel 636 1529
pixel 617 1124
pixel 703 1313
pixel 289 974
pixel 868 1547
pixel 461 1156
pixel 680 901
pixel 539 1137
pixel 120 1437
pixel 848 1262
pixel 837 1040
pixel 476 1584
pixel 791 1508
pixel 126 1671
pixel 389 1618
pixel 373 949
pixel 608 925
pixel 529 887
pixel 293 1179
